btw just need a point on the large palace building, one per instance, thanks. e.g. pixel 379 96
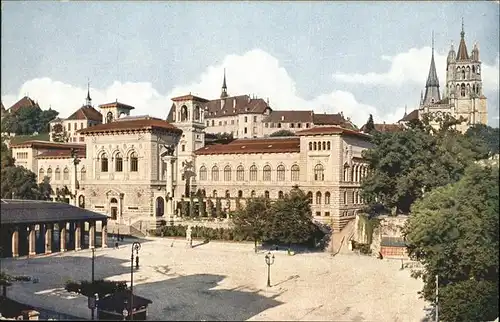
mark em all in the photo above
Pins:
pixel 137 169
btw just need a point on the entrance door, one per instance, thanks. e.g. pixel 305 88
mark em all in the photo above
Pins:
pixel 114 213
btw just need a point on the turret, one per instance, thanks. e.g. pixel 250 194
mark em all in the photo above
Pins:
pixel 451 56
pixel 475 53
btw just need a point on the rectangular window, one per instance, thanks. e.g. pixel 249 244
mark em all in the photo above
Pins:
pixel 81 125
pixel 225 122
pixel 69 126
pixel 255 118
pixel 232 122
pixel 213 123
pixel 292 125
pixel 299 125
pixel 246 130
pixel 82 139
pixel 279 125
pixel 327 214
pixel 307 125
pixel 183 148
pixel 246 119
pixel 318 213
pixel 220 123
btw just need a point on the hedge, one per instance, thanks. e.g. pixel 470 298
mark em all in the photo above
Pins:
pixel 202 232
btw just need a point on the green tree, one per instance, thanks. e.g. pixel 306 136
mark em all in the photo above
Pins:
pixel 44 120
pixel 19 183
pixel 489 136
pixel 253 220
pixel 218 208
pixel 6 155
pixel 369 127
pixel 45 189
pixel 282 133
pixel 291 219
pixel 454 233
pixel 28 119
pixel 59 134
pixel 9 123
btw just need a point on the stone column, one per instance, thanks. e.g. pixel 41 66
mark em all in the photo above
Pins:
pixel 92 234
pixel 31 241
pixel 62 236
pixel 104 234
pixel 169 207
pixel 82 234
pixel 78 234
pixel 15 242
pixel 48 238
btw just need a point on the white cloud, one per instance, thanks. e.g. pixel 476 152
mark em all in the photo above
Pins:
pixel 255 72
pixel 413 66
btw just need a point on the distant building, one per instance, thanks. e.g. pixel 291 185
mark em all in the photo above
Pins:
pixel 463 97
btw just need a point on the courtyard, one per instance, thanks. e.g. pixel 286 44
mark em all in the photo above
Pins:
pixel 227 281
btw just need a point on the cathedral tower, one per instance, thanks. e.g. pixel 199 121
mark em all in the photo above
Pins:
pixel 432 94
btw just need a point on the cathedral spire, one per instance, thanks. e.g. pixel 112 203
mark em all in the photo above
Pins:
pixel 462 53
pixel 432 85
pixel 224 87
pixel 88 99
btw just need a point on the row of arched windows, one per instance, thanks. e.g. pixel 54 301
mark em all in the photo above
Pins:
pixel 117 160
pixel 355 173
pixel 466 89
pixel 252 173
pixel 354 197
pixel 319 145
pixel 57 174
pixel 318 198
pixel 465 72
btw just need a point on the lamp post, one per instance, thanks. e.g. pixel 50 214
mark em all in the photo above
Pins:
pixel 76 161
pixel 92 307
pixel 135 246
pixel 269 262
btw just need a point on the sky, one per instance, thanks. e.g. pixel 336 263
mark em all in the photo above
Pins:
pixel 356 57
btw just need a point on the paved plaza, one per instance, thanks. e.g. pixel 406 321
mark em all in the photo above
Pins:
pixel 227 281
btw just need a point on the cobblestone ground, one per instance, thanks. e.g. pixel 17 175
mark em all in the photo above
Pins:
pixel 226 281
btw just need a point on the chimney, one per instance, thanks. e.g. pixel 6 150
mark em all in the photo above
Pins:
pixel 234 103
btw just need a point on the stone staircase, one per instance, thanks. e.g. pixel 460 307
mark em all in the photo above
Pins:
pixel 339 242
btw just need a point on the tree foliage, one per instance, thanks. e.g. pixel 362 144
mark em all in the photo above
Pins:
pixel 253 220
pixel 28 120
pixel 282 133
pixel 407 164
pixel 6 155
pixel 369 127
pixel 59 133
pixel 454 233
pixel 487 135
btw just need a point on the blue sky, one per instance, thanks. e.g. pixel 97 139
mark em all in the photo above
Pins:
pixel 355 57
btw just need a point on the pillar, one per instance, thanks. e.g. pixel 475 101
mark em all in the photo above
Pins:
pixel 62 236
pixel 48 238
pixel 31 241
pixel 92 234
pixel 15 242
pixel 104 234
pixel 82 235
pixel 169 206
pixel 78 238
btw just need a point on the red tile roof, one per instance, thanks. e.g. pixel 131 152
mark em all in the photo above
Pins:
pixel 328 119
pixel 189 97
pixel 117 105
pixel 23 102
pixel 289 117
pixel 61 154
pixel 145 123
pixel 412 116
pixel 247 146
pixel 388 127
pixel 86 113
pixel 326 130
pixel 46 144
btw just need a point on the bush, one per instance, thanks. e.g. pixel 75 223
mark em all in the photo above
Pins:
pixel 101 287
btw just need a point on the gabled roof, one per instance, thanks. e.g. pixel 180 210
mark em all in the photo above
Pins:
pixel 247 146
pixel 86 113
pixel 329 130
pixel 23 102
pixel 117 105
pixel 146 123
pixel 328 119
pixel 189 97
pixel 235 105
pixel 412 116
pixel 289 117
pixel 61 154
pixel 37 211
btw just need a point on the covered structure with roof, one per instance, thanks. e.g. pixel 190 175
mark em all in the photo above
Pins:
pixel 113 306
pixel 31 227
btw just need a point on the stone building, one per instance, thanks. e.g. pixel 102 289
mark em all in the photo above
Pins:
pixel 463 97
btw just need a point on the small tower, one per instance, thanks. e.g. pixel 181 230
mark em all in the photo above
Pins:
pixel 224 94
pixel 432 94
pixel 112 111
pixel 88 100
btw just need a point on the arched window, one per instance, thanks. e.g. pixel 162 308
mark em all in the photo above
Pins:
pixel 310 197
pixel 184 113
pixel 41 174
pixel 266 173
pixel 240 194
pixel 214 193
pixel 134 162
pixel 463 73
pixel 315 146
pixel 203 173
pixel 319 146
pixel 227 173
pixel 468 89
pixel 66 174
pixel 295 172
pixel 346 172
pixel 473 69
pixel 327 198
pixel 49 173
pixel 160 207
pixel 280 195
pixel 266 194
pixel 240 173
pixel 83 174
pixel 104 163
pixel 474 88
pixel 318 198
pixel 458 90
pixel 109 117
pixel 457 75
pixel 462 90
pixel 280 173
pixel 352 197
pixel 328 146
pixel 324 145
pixel 252 194
pixel 253 173
pixel 228 194
pixel 197 113
pixel 215 173
pixel 468 72
pixel 58 174
pixel 310 146
pixel 118 162
pixel 345 197
pixel 319 174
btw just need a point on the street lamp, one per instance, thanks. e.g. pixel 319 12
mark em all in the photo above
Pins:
pixel 135 246
pixel 93 270
pixel 269 262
